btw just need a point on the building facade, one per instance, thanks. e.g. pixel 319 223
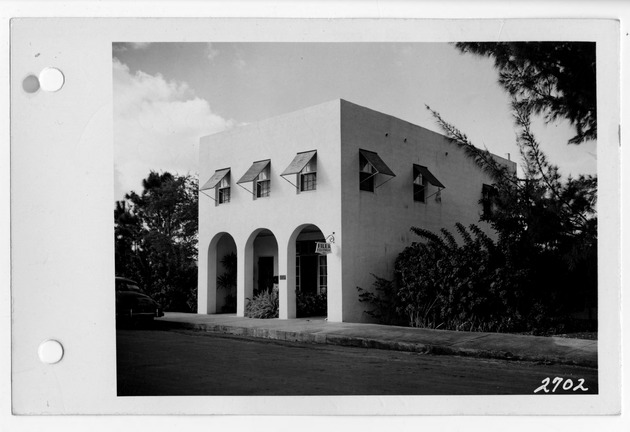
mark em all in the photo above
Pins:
pixel 319 200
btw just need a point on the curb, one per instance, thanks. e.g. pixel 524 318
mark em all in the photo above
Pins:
pixel 359 342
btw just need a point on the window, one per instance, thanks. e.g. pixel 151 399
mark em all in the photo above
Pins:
pixel 370 166
pixel 323 274
pixel 259 175
pixel 223 190
pixel 308 176
pixel 419 185
pixel 422 178
pixel 220 182
pixel 488 200
pixel 308 182
pixel 366 174
pixel 304 167
pixel 262 189
pixel 297 273
pixel 263 184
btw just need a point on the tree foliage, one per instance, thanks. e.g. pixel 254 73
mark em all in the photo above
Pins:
pixel 540 269
pixel 554 79
pixel 541 210
pixel 547 231
pixel 156 239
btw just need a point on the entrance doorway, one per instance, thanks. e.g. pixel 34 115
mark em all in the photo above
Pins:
pixel 265 274
pixel 260 267
pixel 308 274
pixel 222 262
pixel 311 275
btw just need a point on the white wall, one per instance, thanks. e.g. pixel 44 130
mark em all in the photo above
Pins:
pixel 376 226
pixel 278 139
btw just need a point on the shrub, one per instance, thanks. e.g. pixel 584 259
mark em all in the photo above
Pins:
pixel 310 304
pixel 447 285
pixel 442 284
pixel 479 285
pixel 264 305
pixel 387 307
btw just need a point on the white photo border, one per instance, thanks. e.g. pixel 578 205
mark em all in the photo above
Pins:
pixel 81 135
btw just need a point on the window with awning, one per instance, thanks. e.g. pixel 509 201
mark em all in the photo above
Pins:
pixel 215 179
pixel 258 174
pixel 422 177
pixel 370 166
pixel 220 181
pixel 424 171
pixel 304 167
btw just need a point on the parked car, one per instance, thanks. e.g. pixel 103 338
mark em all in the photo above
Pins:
pixel 134 304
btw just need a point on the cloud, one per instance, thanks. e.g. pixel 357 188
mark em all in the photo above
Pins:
pixel 157 126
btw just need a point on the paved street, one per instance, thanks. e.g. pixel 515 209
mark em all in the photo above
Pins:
pixel 182 362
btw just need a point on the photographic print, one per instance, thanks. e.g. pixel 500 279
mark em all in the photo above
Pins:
pixel 355 218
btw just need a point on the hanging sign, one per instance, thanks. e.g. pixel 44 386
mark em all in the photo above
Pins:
pixel 322 248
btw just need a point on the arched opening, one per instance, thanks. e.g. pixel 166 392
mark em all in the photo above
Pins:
pixel 311 273
pixel 226 275
pixel 214 279
pixel 264 262
pixel 259 270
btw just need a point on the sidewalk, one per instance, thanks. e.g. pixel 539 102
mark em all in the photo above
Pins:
pixel 441 342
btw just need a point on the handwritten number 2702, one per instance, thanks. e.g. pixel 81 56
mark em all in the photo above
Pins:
pixel 568 385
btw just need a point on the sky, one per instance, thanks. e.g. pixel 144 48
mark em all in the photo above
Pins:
pixel 168 95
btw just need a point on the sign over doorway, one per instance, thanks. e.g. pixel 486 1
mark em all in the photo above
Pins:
pixel 322 248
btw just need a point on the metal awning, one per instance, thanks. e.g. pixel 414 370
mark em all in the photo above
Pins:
pixel 376 162
pixel 215 179
pixel 299 162
pixel 254 171
pixel 427 175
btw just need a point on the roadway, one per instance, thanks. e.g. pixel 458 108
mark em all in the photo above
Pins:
pixel 183 362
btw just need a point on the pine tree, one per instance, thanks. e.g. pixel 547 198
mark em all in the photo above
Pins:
pixel 554 79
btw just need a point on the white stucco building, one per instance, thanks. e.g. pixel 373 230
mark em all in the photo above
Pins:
pixel 337 173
